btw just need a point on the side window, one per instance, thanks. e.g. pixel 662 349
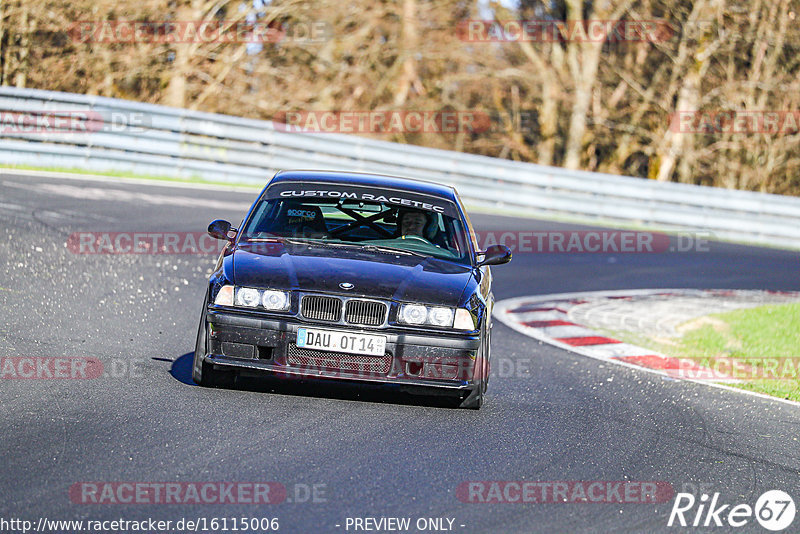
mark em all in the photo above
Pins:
pixel 472 236
pixel 258 216
pixel 457 237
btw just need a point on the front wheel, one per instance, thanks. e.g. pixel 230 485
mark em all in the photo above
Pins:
pixel 203 373
pixel 476 397
pixel 474 400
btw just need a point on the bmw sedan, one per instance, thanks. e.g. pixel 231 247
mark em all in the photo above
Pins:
pixel 357 278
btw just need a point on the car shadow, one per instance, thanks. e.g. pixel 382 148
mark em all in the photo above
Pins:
pixel 181 370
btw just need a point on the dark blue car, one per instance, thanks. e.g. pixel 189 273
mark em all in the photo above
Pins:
pixel 351 277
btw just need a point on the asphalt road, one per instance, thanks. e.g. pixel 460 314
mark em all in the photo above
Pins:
pixel 550 416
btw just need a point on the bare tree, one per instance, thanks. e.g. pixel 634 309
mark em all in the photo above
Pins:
pixel 579 102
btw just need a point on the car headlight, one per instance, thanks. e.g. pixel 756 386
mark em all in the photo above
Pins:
pixel 275 300
pixel 418 314
pixel 250 297
pixel 440 316
pixel 413 314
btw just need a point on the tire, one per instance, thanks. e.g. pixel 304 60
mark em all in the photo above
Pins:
pixel 476 398
pixel 203 373
pixel 488 369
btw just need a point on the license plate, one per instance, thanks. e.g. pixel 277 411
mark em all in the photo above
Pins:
pixel 331 340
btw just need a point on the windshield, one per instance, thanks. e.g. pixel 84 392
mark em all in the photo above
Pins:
pixel 374 225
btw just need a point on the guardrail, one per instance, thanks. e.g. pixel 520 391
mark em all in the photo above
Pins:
pixel 183 143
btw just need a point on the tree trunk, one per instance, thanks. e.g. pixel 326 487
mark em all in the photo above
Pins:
pixel 584 79
pixel 176 89
pixel 548 122
pixel 408 48
pixel 583 57
pixel 3 43
pixel 23 60
pixel 679 145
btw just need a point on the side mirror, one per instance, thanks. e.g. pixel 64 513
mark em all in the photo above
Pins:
pixel 219 229
pixel 495 255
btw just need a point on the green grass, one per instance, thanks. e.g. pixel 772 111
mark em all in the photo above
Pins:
pixel 749 336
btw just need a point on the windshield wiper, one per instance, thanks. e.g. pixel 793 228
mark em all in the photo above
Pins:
pixel 375 248
pixel 277 239
pixel 322 242
pixel 383 248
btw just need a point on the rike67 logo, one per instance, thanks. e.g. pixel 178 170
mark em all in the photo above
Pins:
pixel 774 510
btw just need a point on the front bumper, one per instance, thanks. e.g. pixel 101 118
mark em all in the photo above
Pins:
pixel 257 345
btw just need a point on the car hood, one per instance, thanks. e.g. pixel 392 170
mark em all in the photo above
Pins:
pixel 374 274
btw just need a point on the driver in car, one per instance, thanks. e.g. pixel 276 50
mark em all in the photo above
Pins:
pixel 412 223
pixel 417 224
